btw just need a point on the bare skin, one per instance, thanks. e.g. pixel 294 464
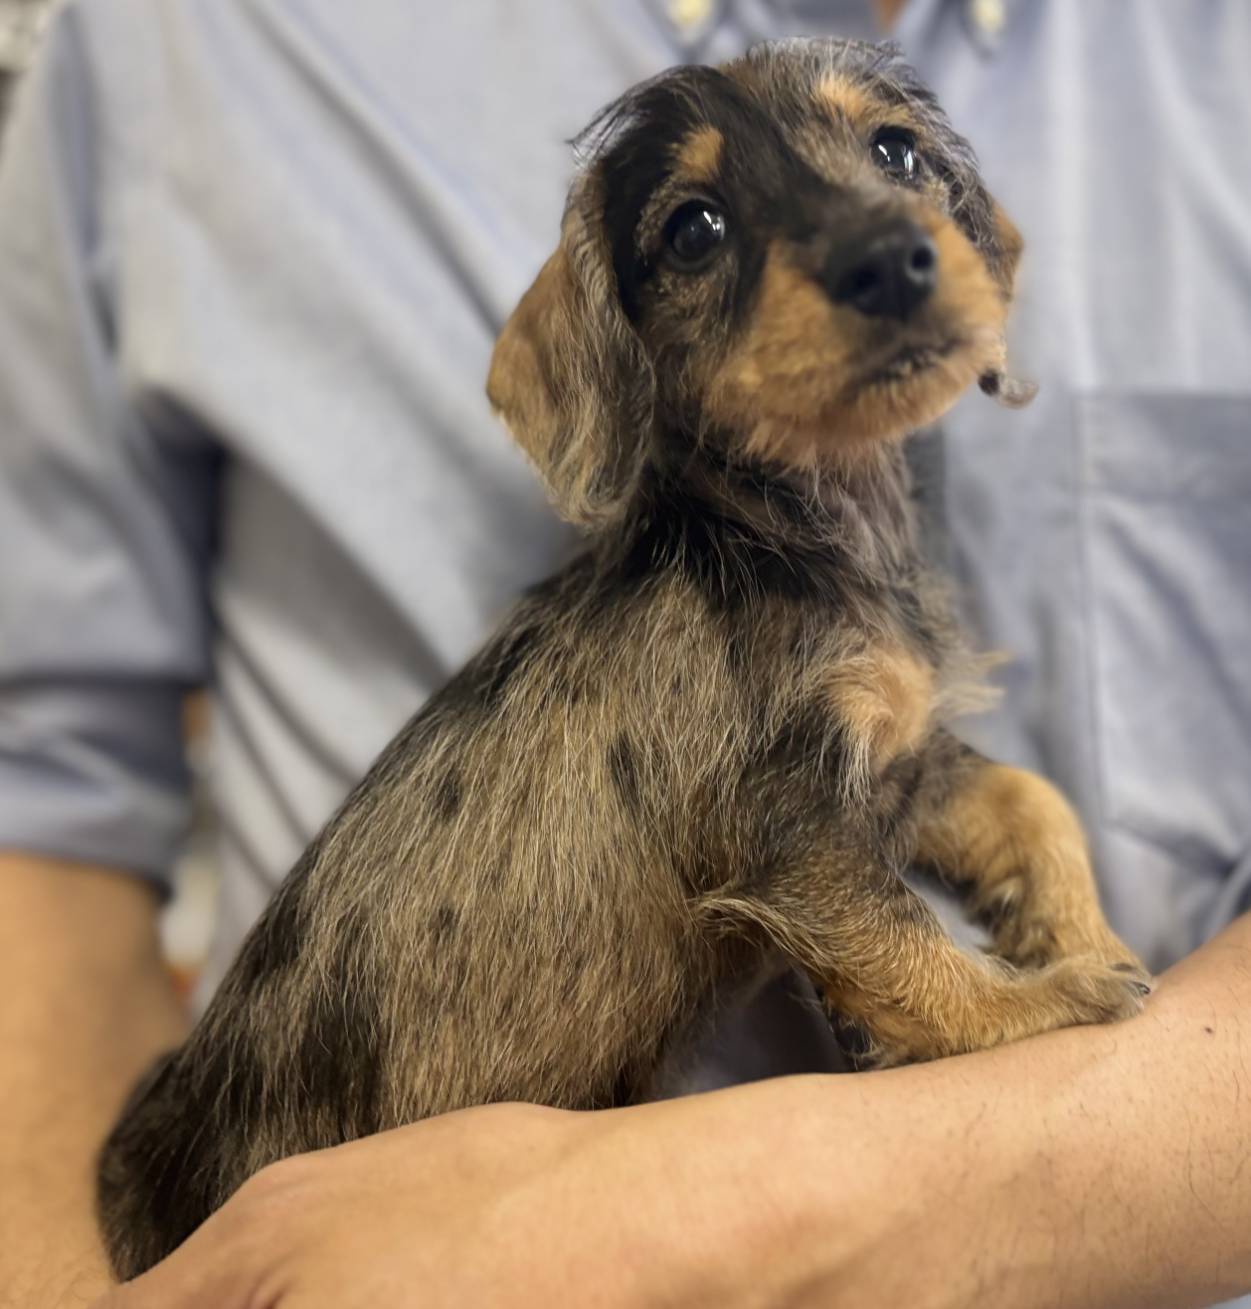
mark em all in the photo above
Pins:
pixel 1093 1168
pixel 85 1005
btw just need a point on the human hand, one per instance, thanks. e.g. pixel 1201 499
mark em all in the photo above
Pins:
pixel 457 1210
pixel 510 1206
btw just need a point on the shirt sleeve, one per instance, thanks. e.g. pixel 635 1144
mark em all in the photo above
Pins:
pixel 106 504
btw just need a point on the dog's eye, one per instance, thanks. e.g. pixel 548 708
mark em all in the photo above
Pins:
pixel 893 153
pixel 694 233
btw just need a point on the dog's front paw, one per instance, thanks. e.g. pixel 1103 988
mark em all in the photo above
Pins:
pixel 1093 989
pixel 1033 937
pixel 1005 1005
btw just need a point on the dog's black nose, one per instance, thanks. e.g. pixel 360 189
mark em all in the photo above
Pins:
pixel 885 274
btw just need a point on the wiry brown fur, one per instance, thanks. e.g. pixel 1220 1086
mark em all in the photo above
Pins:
pixel 715 740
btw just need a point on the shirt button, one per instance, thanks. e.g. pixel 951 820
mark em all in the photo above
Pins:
pixel 687 15
pixel 987 16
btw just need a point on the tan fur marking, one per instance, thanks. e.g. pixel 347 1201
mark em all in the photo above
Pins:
pixel 885 697
pixel 700 154
pixel 1015 837
pixel 780 374
pixel 1000 814
pixel 856 104
pixel 1013 245
pixel 847 98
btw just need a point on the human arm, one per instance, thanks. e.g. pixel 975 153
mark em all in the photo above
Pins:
pixel 87 1003
pixel 102 531
pixel 1097 1168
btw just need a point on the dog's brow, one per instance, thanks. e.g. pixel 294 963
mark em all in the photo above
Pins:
pixel 846 98
pixel 699 156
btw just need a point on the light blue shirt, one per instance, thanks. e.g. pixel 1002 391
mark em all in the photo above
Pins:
pixel 253 256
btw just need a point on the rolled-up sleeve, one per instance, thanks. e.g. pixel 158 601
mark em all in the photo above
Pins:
pixel 106 509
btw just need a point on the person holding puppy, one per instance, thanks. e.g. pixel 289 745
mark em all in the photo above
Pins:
pixel 225 237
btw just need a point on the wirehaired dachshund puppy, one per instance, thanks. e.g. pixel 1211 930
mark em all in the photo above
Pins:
pixel 716 739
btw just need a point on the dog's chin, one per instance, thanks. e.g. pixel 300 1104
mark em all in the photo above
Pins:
pixel 887 397
pixel 911 389
pixel 892 397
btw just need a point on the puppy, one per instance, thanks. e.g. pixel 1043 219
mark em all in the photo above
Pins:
pixel 717 738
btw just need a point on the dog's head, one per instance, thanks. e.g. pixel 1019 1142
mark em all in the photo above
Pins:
pixel 792 256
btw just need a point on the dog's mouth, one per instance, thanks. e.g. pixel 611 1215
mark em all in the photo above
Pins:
pixel 909 362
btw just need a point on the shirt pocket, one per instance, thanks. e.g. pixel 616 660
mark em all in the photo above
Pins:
pixel 1166 481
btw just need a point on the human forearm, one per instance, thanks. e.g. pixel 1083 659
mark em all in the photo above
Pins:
pixel 1138 1152
pixel 84 1005
pixel 1093 1168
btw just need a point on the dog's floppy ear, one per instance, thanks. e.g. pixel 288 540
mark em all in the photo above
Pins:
pixel 1003 254
pixel 1005 250
pixel 569 376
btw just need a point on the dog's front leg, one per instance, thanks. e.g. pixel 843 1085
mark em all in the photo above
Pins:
pixel 882 959
pixel 1010 844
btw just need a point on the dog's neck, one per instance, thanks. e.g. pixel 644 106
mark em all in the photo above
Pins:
pixel 859 507
pixel 745 530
